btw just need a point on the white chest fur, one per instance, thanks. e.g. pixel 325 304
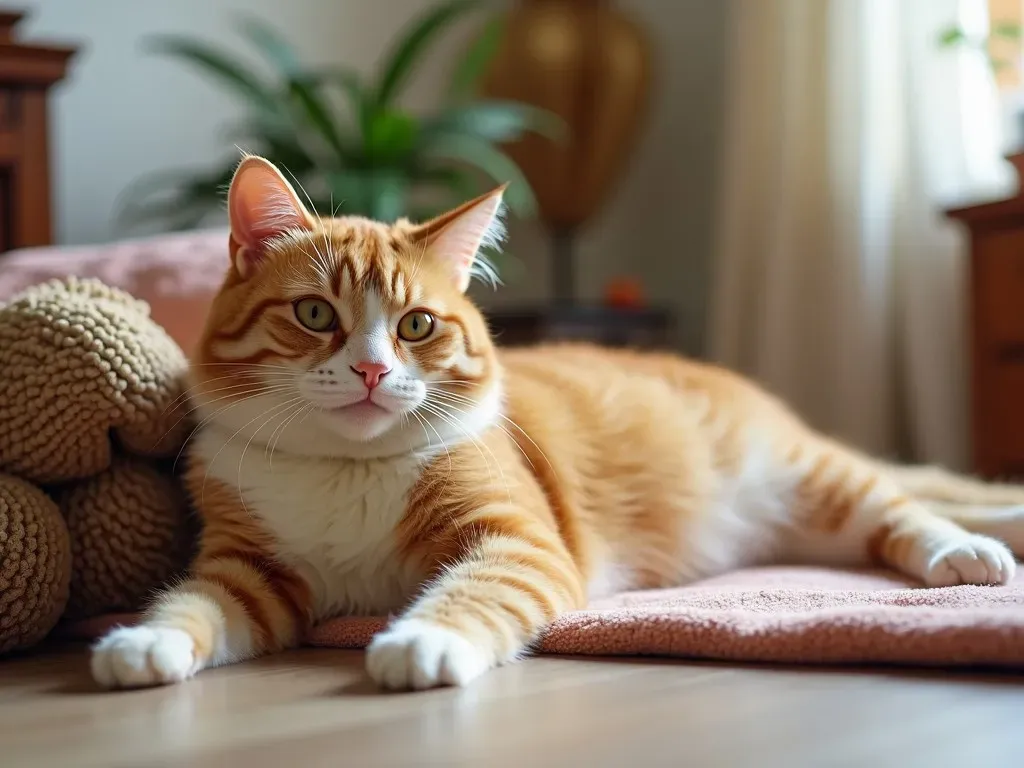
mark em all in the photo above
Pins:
pixel 335 519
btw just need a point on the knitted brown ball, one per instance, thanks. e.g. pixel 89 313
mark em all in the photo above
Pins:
pixel 131 532
pixel 35 564
pixel 80 362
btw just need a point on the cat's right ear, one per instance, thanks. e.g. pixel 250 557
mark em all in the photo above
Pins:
pixel 261 206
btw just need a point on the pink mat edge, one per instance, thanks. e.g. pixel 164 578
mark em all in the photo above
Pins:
pixel 884 623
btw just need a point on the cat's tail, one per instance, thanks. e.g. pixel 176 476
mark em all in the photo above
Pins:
pixel 993 509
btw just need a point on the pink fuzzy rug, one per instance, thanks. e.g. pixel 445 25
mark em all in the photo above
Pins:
pixel 792 615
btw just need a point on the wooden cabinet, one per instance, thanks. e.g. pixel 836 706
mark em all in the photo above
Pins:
pixel 997 331
pixel 26 74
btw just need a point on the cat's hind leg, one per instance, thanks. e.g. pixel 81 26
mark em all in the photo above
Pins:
pixel 993 509
pixel 914 539
pixel 847 508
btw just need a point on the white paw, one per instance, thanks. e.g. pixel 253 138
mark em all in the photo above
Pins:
pixel 974 559
pixel 415 654
pixel 133 657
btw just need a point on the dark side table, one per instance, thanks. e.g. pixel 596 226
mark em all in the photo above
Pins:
pixel 640 328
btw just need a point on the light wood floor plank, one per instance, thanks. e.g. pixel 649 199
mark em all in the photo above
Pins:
pixel 314 708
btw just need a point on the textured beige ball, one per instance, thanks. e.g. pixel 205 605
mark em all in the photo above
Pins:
pixel 35 564
pixel 81 364
pixel 131 532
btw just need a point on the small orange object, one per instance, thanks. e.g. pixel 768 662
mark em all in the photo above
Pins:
pixel 624 292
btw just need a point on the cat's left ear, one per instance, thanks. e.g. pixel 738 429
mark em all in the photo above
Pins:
pixel 455 238
pixel 262 205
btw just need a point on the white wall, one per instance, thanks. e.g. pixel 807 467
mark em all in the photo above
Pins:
pixel 122 113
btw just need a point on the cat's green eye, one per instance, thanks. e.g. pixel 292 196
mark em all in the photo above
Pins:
pixel 416 326
pixel 315 314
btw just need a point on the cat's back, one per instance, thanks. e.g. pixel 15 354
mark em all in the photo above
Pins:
pixel 576 400
pixel 608 384
pixel 586 372
pixel 625 418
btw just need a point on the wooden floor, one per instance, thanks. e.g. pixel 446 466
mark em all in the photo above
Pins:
pixel 315 708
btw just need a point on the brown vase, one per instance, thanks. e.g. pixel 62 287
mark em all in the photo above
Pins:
pixel 590 64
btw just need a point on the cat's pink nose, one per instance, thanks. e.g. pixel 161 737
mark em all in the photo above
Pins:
pixel 372 373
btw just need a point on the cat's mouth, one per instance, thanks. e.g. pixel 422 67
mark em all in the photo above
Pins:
pixel 363 408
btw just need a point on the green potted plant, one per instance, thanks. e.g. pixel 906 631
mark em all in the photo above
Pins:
pixel 343 137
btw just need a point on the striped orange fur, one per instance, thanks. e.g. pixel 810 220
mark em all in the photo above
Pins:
pixel 365 448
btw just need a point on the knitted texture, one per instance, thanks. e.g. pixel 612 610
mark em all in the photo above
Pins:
pixel 35 564
pixel 80 362
pixel 131 532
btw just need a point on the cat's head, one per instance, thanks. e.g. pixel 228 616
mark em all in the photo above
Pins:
pixel 345 336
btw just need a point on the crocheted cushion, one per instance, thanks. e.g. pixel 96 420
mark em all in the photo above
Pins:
pixel 80 361
pixel 131 532
pixel 35 564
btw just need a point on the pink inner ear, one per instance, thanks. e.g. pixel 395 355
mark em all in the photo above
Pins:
pixel 255 227
pixel 460 239
pixel 261 206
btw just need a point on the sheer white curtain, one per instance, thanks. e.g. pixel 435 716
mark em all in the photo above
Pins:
pixel 838 284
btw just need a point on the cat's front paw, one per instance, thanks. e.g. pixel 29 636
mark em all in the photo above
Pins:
pixel 974 559
pixel 135 657
pixel 416 654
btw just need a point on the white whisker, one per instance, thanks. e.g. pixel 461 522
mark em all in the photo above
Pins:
pixel 242 395
pixel 199 426
pixel 270 366
pixel 438 409
pixel 241 458
pixel 435 409
pixel 273 410
pixel 426 424
pixel 184 395
pixel 454 397
pixel 279 432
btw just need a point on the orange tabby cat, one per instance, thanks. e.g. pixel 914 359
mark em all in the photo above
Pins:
pixel 365 449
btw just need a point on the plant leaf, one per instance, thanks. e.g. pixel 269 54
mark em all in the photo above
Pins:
pixel 388 195
pixel 497 121
pixel 157 182
pixel 275 49
pixel 490 160
pixel 457 181
pixel 228 71
pixel 185 193
pixel 278 144
pixel 473 63
pixel 403 56
pixel 302 88
pixel 280 148
pixel 348 193
pixel 352 86
pixel 391 137
pixel 194 185
pixel 952 36
pixel 318 113
pixel 422 213
pixel 186 205
pixel 172 215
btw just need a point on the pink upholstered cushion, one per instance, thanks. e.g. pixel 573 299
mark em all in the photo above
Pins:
pixel 178 274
